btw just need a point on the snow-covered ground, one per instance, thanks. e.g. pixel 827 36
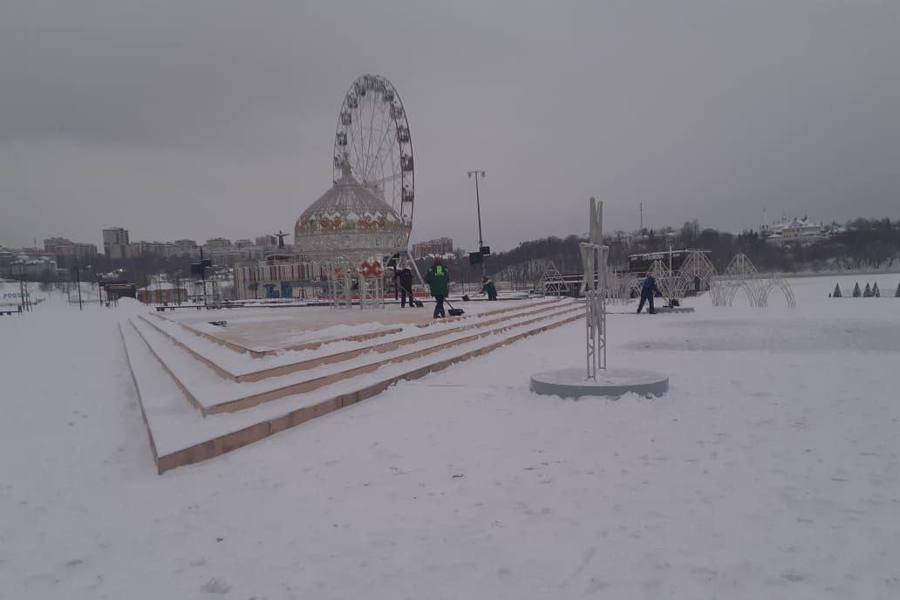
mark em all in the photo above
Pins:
pixel 770 470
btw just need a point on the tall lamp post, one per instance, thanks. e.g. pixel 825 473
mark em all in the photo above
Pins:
pixel 478 174
pixel 78 283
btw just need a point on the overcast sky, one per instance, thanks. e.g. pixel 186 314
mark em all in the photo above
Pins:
pixel 194 119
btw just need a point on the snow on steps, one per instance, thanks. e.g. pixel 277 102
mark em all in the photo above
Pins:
pixel 315 345
pixel 258 353
pixel 180 435
pixel 231 366
pixel 212 394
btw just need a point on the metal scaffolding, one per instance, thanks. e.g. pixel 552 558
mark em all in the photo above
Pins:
pixel 594 256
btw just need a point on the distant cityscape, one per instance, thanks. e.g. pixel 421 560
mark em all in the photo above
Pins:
pixel 59 255
pixel 265 265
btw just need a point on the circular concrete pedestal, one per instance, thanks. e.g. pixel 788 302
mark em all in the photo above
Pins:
pixel 571 383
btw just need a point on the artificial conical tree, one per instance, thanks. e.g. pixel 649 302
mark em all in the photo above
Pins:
pixel 876 293
pixel 868 292
pixel 837 291
pixel 856 292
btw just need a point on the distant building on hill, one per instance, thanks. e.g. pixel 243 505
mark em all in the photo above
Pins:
pixel 794 230
pixel 163 292
pixel 6 256
pixel 267 241
pixel 115 242
pixel 186 247
pixel 217 244
pixel 439 246
pixel 33 266
pixel 61 247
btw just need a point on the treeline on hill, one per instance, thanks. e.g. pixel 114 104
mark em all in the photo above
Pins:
pixel 864 244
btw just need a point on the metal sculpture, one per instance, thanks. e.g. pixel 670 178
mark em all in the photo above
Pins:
pixel 552 282
pixel 619 285
pixel 781 284
pixel 742 275
pixel 666 280
pixel 340 285
pixel 594 256
pixel 373 136
pixel 599 381
pixel 371 283
pixel 695 272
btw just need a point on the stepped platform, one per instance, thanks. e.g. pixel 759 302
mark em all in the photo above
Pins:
pixel 263 332
pixel 204 393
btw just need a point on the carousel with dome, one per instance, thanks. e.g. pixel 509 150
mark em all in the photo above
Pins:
pixel 346 237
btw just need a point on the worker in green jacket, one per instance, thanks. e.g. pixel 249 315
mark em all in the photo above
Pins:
pixel 488 287
pixel 438 280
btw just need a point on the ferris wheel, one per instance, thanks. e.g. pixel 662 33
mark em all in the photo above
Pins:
pixel 373 138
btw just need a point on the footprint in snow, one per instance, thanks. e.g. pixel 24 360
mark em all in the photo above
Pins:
pixel 216 586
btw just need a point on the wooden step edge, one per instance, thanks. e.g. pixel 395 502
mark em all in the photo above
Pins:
pixel 219 370
pixel 315 383
pixel 223 342
pixel 254 433
pixel 191 398
pixel 511 308
pixel 317 344
pixel 360 337
pixel 488 313
pixel 140 398
pixel 303 365
pixel 255 353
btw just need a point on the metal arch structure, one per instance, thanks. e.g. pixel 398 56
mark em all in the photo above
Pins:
pixel 373 137
pixel 340 284
pixel 620 285
pixel 552 282
pixel 784 286
pixel 742 274
pixel 696 267
pixel 666 280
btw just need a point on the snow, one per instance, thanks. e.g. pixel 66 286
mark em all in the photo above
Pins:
pixel 237 363
pixel 176 425
pixel 269 329
pixel 770 469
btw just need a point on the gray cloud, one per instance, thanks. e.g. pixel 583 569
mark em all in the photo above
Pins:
pixel 203 118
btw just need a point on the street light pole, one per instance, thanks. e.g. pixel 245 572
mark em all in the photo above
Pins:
pixel 78 283
pixel 477 173
pixel 203 277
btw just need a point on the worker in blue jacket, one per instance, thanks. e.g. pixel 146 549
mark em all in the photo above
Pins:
pixel 648 290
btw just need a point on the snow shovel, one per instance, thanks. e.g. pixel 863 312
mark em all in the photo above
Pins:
pixel 454 312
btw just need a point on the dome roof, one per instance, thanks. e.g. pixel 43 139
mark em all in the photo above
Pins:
pixel 349 222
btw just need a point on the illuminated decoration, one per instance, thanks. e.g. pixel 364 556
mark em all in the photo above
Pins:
pixel 742 275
